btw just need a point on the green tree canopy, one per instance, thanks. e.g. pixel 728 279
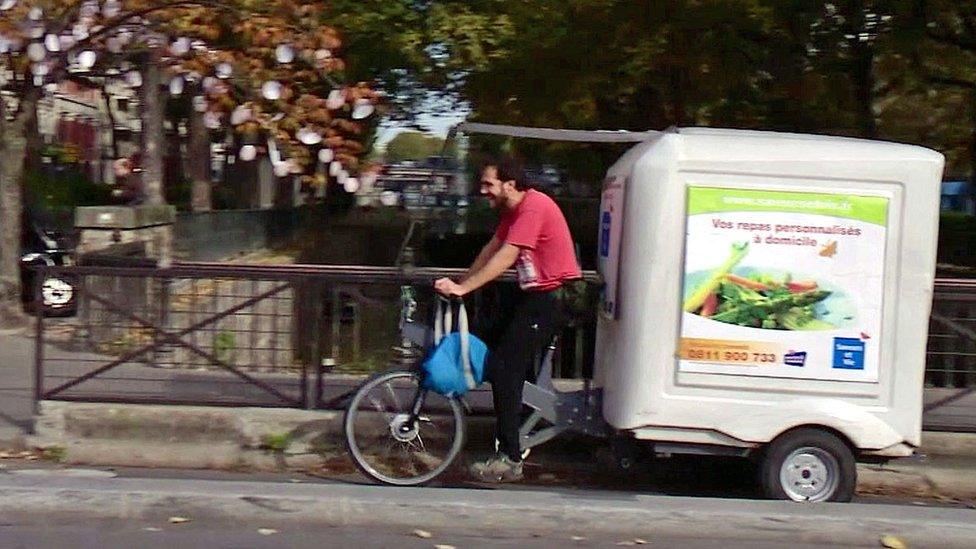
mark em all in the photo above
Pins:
pixel 411 145
pixel 902 70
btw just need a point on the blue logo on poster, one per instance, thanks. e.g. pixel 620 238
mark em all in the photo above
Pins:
pixel 605 235
pixel 795 358
pixel 848 353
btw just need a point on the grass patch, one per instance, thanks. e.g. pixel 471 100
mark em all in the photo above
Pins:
pixel 276 442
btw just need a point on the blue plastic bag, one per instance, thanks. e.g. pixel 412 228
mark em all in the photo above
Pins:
pixel 445 369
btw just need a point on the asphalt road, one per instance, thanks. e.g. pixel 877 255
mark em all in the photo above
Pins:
pixel 83 532
pixel 92 508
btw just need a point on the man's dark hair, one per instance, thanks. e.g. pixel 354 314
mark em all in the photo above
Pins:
pixel 509 168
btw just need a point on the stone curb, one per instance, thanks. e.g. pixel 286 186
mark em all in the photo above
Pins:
pixel 928 483
pixel 191 437
pixel 939 443
pixel 274 439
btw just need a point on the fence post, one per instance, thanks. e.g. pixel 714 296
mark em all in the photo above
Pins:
pixel 163 352
pixel 301 337
pixel 968 359
pixel 336 322
pixel 315 308
pixel 357 330
pixel 39 276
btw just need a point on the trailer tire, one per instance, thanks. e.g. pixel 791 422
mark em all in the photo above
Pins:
pixel 808 465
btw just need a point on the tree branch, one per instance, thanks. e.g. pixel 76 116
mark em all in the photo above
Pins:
pixel 967 21
pixel 122 19
pixel 69 15
pixel 951 81
pixel 951 40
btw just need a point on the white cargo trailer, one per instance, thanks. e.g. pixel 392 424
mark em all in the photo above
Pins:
pixel 769 294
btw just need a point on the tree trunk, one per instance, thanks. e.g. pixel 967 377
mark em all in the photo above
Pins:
pixel 863 75
pixel 199 164
pixel 34 140
pixel 111 120
pixel 676 53
pixel 13 152
pixel 153 139
pixel 862 72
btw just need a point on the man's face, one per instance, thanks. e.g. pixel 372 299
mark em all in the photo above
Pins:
pixel 494 189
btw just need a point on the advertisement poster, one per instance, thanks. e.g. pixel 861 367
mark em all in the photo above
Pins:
pixel 783 284
pixel 611 212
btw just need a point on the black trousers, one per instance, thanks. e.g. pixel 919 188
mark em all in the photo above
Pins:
pixel 522 326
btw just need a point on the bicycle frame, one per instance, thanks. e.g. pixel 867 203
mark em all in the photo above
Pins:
pixel 578 411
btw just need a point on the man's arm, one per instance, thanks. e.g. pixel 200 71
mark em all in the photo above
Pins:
pixel 496 265
pixel 486 253
pixel 502 259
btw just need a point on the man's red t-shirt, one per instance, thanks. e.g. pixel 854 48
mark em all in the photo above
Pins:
pixel 537 227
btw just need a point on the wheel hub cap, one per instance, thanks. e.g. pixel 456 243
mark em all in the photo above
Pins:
pixel 402 430
pixel 809 474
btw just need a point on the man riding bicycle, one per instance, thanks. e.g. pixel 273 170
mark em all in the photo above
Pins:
pixel 533 236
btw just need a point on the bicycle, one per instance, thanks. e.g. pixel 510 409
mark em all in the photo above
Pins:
pixel 401 434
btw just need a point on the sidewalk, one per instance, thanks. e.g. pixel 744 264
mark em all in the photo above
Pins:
pixel 16 385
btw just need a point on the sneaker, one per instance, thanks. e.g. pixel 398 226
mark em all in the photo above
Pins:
pixel 525 453
pixel 500 468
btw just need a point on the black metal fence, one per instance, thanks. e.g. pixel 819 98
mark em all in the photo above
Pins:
pixel 302 336
pixel 950 374
pixel 234 335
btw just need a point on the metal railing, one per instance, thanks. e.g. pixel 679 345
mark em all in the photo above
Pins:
pixel 950 374
pixel 303 335
pixel 232 335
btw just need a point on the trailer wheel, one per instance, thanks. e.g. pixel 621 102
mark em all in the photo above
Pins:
pixel 808 465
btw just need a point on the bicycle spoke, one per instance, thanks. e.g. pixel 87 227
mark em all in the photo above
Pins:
pixel 391 448
pixel 409 455
pixel 377 405
pixel 393 396
pixel 381 408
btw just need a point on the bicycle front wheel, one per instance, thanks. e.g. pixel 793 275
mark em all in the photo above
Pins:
pixel 387 444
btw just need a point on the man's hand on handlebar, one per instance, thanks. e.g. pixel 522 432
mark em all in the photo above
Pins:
pixel 449 288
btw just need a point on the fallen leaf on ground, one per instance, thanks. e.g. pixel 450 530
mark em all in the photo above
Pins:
pixel 152 529
pixel 577 538
pixel 424 534
pixel 893 542
pixel 640 541
pixel 178 520
pixel 267 531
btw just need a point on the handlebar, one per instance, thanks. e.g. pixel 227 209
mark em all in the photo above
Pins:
pixel 408 300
